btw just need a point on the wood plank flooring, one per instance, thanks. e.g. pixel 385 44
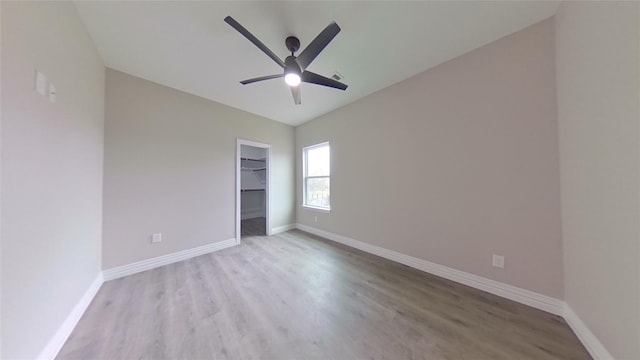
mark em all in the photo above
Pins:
pixel 297 296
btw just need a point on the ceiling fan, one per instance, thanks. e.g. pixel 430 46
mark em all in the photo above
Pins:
pixel 295 66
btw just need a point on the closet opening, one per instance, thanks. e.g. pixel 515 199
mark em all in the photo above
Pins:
pixel 252 189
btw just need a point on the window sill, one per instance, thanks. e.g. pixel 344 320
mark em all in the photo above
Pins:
pixel 316 208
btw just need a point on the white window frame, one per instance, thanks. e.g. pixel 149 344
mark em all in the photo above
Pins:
pixel 305 177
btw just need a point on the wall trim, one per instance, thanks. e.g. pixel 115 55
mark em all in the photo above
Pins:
pixel 523 296
pixel 283 228
pixel 136 267
pixel 588 339
pixel 55 344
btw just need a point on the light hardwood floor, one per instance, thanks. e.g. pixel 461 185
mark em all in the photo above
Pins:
pixel 297 296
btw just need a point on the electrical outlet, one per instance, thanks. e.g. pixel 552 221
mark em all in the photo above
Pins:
pixel 498 261
pixel 156 238
pixel 315 219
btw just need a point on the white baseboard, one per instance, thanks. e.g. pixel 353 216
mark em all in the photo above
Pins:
pixel 536 300
pixel 588 339
pixel 133 268
pixel 54 345
pixel 283 228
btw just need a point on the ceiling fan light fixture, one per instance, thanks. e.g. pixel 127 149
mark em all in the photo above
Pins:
pixel 295 67
pixel 292 71
pixel 292 79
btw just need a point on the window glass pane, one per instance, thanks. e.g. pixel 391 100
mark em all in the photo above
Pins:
pixel 317 192
pixel 318 161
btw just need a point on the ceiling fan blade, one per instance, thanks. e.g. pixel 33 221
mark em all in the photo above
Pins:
pixel 234 24
pixel 295 91
pixel 261 78
pixel 313 78
pixel 315 47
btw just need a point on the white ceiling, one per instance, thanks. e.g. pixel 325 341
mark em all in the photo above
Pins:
pixel 188 46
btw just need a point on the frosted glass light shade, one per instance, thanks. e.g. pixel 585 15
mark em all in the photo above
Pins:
pixel 292 79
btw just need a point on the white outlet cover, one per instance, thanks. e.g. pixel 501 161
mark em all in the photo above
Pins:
pixel 156 238
pixel 498 261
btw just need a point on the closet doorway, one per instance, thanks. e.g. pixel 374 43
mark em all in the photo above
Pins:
pixel 252 189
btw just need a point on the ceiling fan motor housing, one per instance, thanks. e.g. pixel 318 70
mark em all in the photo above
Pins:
pixel 291 66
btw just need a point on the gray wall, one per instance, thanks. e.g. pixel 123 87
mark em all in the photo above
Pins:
pixel 598 66
pixel 170 162
pixel 455 164
pixel 51 172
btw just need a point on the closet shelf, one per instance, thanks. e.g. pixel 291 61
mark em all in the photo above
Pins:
pixel 244 168
pixel 250 159
pixel 243 190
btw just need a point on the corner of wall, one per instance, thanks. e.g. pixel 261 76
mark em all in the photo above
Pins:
pixel 61 335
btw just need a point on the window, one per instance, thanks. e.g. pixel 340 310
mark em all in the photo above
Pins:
pixel 316 164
